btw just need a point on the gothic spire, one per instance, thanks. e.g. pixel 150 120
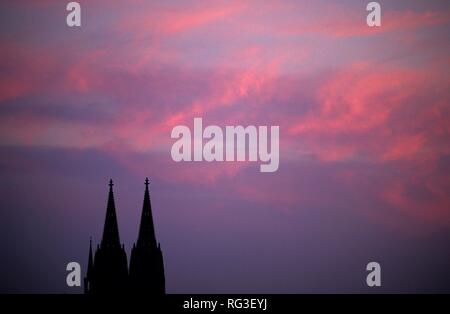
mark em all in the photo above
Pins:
pixel 90 267
pixel 146 230
pixel 111 231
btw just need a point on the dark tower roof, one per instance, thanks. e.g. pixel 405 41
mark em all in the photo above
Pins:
pixel 146 230
pixel 111 231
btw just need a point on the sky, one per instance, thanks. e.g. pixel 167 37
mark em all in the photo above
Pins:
pixel 364 117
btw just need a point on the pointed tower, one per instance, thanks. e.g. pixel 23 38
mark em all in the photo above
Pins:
pixel 88 280
pixel 110 237
pixel 109 273
pixel 146 261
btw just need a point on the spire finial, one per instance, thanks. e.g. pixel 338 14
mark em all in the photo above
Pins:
pixel 146 235
pixel 110 236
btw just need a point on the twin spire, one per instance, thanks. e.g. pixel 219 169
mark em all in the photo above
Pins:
pixel 146 235
pixel 107 269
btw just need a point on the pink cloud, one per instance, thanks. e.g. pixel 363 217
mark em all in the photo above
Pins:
pixel 376 110
pixel 170 21
pixel 359 102
pixel 339 23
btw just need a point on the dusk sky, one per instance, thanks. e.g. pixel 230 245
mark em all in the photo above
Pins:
pixel 364 117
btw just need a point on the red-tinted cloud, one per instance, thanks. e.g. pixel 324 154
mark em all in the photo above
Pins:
pixel 338 100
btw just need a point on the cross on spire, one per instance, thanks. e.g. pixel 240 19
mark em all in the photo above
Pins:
pixel 110 231
pixel 146 235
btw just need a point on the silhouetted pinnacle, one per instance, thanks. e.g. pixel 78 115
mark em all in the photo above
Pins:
pixel 90 267
pixel 146 235
pixel 111 231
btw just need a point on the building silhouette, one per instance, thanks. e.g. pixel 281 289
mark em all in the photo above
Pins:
pixel 107 270
pixel 146 261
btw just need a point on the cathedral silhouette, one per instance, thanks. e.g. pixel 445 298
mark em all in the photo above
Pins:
pixel 108 272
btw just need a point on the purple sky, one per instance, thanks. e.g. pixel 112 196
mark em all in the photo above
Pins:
pixel 364 141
